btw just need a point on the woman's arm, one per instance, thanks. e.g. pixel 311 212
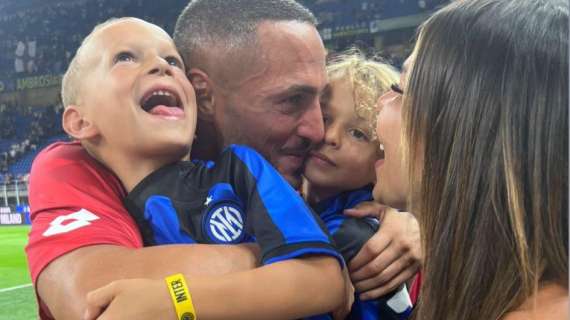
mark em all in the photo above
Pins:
pixel 284 290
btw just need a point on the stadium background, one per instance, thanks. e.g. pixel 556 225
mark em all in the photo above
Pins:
pixel 39 37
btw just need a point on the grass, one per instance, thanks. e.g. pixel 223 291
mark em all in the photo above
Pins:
pixel 17 304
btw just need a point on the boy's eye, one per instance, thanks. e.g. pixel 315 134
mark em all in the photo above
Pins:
pixel 174 61
pixel 358 134
pixel 124 56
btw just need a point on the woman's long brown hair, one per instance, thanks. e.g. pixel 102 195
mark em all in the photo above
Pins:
pixel 486 128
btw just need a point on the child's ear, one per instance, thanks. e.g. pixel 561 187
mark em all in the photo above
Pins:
pixel 76 125
pixel 204 93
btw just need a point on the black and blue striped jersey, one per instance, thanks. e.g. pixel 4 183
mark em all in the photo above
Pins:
pixel 350 234
pixel 239 198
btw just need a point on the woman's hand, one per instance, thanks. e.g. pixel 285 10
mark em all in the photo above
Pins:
pixel 391 257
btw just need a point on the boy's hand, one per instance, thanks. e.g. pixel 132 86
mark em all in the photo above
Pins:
pixel 391 257
pixel 130 299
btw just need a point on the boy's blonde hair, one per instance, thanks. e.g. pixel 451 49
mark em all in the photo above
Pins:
pixel 70 84
pixel 368 78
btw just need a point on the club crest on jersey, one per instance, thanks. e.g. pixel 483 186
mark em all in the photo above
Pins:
pixel 224 223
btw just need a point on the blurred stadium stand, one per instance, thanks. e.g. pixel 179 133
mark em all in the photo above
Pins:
pixel 38 39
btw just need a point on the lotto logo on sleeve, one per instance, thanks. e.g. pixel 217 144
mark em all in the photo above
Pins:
pixel 70 222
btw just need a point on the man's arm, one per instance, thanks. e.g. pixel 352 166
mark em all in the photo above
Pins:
pixel 284 290
pixel 64 283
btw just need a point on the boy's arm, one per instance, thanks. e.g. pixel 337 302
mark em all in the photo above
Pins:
pixel 64 283
pixel 285 290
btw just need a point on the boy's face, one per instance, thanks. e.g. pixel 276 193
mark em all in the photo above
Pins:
pixel 135 91
pixel 345 160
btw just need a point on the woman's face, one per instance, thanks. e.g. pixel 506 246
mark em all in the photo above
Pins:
pixel 392 180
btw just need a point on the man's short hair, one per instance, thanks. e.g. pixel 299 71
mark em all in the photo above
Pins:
pixel 229 24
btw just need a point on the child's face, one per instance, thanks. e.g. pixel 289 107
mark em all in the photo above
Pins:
pixel 135 91
pixel 345 160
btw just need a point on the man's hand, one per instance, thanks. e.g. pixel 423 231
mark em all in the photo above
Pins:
pixel 391 257
pixel 344 310
pixel 130 299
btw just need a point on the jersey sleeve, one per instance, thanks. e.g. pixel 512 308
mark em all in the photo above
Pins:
pixel 75 202
pixel 282 224
pixel 350 234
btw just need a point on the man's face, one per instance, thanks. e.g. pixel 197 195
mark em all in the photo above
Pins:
pixel 135 91
pixel 275 107
pixel 392 180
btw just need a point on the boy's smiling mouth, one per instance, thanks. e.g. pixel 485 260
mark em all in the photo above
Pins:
pixel 163 102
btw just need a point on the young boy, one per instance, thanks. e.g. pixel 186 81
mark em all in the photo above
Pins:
pixel 340 172
pixel 130 105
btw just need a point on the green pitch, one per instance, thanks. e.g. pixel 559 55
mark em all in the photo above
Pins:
pixel 16 303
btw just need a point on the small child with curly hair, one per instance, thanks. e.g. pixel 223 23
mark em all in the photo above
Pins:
pixel 340 172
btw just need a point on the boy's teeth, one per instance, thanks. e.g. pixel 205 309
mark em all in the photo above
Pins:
pixel 382 147
pixel 161 93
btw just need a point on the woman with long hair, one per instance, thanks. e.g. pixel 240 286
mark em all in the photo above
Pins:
pixel 484 111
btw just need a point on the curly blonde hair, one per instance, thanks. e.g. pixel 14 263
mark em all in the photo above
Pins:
pixel 368 78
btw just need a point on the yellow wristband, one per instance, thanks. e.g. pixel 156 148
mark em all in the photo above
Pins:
pixel 181 297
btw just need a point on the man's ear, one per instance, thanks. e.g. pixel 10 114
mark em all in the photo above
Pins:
pixel 204 93
pixel 77 125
